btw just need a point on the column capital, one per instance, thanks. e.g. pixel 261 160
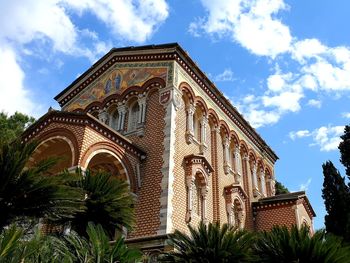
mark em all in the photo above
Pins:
pixel 191 108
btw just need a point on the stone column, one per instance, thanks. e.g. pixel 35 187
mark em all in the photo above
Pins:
pixel 263 182
pixel 229 212
pixel 204 194
pixel 204 125
pixel 272 187
pixel 103 117
pixel 190 125
pixel 226 146
pixel 122 112
pixel 142 107
pixel 254 179
pixel 189 185
pixel 238 164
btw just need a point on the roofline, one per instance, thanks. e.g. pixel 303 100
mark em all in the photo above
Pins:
pixel 32 130
pixel 185 56
pixel 113 50
pixel 286 197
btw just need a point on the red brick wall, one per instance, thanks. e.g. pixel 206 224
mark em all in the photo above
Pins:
pixel 148 206
pixel 265 219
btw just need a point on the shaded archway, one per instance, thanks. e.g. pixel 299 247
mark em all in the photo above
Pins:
pixel 106 161
pixel 59 147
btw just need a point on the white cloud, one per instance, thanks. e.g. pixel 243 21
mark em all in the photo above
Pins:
pixel 327 138
pixel 253 24
pixel 299 134
pixel 226 75
pixel 130 20
pixel 307 48
pixel 346 115
pixel 305 186
pixel 250 107
pixel 314 103
pixel 31 26
pixel 14 97
pixel 284 101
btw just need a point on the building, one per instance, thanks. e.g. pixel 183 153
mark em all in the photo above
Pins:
pixel 149 115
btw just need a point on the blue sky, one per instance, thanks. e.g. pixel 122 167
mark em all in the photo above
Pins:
pixel 284 64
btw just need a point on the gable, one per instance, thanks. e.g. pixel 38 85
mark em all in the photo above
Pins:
pixel 117 79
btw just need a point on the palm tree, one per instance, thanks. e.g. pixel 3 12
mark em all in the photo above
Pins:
pixel 97 247
pixel 298 245
pixel 108 202
pixel 210 243
pixel 29 192
pixel 10 247
pixel 70 248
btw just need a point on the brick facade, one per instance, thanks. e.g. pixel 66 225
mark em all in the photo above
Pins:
pixel 185 150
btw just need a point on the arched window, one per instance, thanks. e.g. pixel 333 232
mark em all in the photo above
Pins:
pixel 133 116
pixel 197 126
pixel 114 120
pixel 235 213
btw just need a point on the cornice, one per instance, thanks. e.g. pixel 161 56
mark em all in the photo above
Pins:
pixel 82 119
pixel 166 52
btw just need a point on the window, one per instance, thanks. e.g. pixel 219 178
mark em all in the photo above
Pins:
pixel 196 127
pixel 133 116
pixel 115 120
pixel 198 198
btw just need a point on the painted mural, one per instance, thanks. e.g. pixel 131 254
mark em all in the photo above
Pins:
pixel 116 81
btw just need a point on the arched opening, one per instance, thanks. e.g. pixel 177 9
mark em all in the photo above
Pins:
pixel 57 147
pixel 238 214
pixel 197 117
pixel 107 161
pixel 199 195
pixel 113 116
pixel 133 115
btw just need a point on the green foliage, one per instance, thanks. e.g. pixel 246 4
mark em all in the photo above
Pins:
pixel 283 245
pixel 336 198
pixel 12 126
pixel 344 148
pixel 10 247
pixel 108 202
pixel 210 243
pixel 97 248
pixel 29 192
pixel 280 188
pixel 336 193
pixel 68 248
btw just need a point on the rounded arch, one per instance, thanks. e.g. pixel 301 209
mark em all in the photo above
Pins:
pixel 234 137
pixel 238 211
pixel 268 171
pixel 94 106
pixel 212 115
pixel 116 152
pixel 252 155
pixel 110 100
pixel 108 161
pixel 187 91
pixel 152 83
pixel 244 147
pixel 261 163
pixel 201 174
pixel 223 126
pixel 199 102
pixel 55 146
pixel 63 134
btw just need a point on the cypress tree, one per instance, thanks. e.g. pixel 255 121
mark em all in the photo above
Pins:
pixel 336 198
pixel 344 148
